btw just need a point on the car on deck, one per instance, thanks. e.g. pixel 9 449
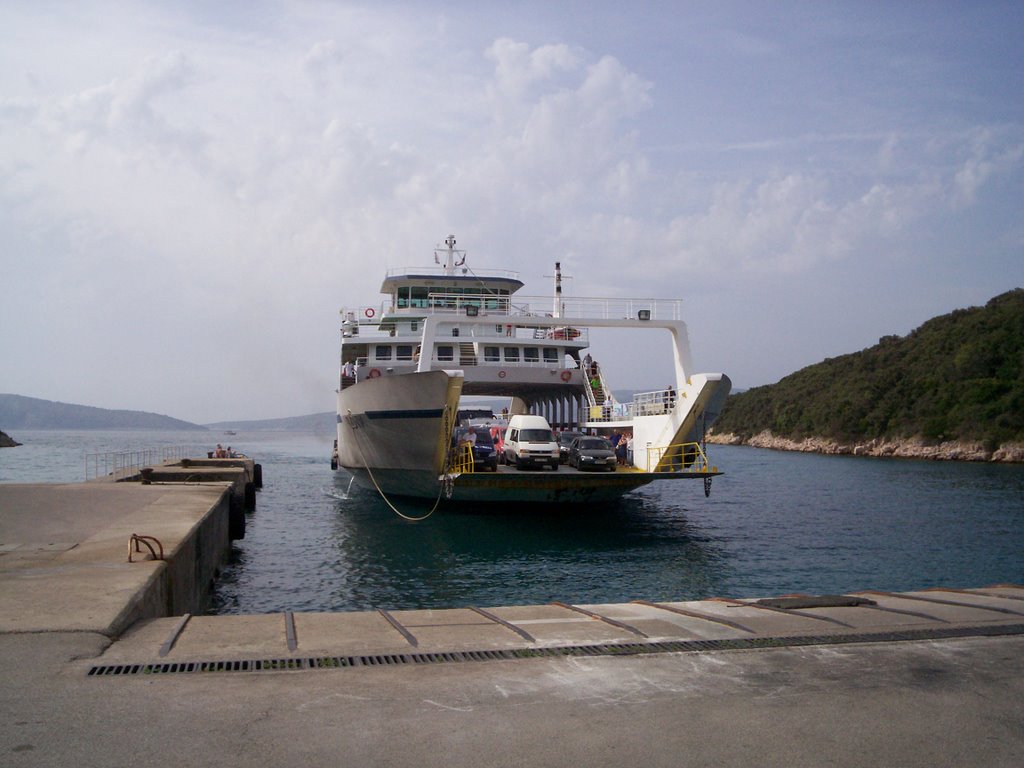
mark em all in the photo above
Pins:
pixel 592 453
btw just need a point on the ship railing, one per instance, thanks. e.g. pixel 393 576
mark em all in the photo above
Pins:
pixel 653 403
pixel 679 457
pixel 581 307
pixel 463 461
pixel 486 304
pixel 122 465
pixel 441 272
pixel 656 403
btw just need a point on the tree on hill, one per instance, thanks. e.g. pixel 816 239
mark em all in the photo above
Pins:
pixel 957 377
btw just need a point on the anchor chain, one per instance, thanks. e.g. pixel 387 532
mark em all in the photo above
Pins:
pixel 447 480
pixel 704 453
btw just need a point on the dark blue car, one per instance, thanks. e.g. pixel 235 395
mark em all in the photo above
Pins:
pixel 484 454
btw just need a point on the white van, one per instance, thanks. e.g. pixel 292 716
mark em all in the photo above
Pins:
pixel 529 441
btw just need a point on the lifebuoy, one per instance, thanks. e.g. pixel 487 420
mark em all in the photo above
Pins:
pixel 370 313
pixel 566 375
pixel 501 374
pixel 373 374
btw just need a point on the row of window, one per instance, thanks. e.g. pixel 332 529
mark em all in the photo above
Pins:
pixel 512 354
pixel 419 296
pixel 446 352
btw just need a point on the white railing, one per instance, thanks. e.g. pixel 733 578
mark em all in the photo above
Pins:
pixel 580 307
pixel 125 464
pixel 438 271
pixel 660 401
pixel 489 305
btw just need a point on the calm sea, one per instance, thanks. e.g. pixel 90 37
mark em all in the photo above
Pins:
pixel 775 523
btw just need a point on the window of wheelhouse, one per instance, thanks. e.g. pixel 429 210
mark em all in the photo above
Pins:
pixel 418 296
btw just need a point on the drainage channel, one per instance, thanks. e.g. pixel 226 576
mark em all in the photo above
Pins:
pixel 605 649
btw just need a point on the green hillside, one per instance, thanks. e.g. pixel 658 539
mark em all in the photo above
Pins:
pixel 957 377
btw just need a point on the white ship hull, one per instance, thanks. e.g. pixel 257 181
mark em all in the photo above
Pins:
pixel 393 431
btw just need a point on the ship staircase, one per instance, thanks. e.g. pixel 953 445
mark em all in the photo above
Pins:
pixel 467 354
pixel 598 393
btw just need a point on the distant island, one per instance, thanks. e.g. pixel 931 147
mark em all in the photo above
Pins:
pixel 6 441
pixel 314 422
pixel 951 389
pixel 19 412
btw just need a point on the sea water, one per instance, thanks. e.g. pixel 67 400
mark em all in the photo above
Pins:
pixel 775 523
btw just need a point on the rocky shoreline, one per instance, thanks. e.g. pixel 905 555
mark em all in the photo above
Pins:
pixel 1009 453
pixel 6 441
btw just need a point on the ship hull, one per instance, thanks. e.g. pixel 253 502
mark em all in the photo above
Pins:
pixel 393 431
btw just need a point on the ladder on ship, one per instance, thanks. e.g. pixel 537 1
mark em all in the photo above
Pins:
pixel 467 354
pixel 598 392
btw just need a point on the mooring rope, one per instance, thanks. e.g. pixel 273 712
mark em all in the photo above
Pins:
pixel 383 495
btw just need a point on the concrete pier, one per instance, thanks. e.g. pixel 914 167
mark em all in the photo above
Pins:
pixel 105 665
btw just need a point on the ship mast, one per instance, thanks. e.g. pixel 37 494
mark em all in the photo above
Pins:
pixel 450 263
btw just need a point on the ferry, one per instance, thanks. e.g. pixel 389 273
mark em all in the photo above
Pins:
pixel 446 332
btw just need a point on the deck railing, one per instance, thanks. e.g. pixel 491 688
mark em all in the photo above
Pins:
pixel 490 305
pixel 681 457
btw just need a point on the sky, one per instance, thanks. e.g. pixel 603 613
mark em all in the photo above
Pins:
pixel 191 191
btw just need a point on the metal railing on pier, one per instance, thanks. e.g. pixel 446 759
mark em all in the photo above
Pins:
pixel 124 464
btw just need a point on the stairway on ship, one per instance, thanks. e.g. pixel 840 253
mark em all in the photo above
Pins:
pixel 467 354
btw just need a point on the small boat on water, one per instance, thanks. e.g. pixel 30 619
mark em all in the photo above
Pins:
pixel 449 331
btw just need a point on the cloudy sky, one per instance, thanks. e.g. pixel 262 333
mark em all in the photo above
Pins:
pixel 190 191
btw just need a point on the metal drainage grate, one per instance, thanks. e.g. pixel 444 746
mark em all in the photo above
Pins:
pixel 604 649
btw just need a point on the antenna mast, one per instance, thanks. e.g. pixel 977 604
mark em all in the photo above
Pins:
pixel 450 263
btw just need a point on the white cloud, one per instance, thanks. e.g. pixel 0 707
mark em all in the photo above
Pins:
pixel 988 156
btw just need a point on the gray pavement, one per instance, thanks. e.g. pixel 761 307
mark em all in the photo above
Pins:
pixel 936 703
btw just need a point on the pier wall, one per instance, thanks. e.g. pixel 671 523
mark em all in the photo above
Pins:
pixel 184 581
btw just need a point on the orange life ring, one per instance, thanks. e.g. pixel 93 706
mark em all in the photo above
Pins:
pixel 370 313
pixel 501 374
pixel 373 374
pixel 566 375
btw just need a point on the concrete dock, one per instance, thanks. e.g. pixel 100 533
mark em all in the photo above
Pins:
pixel 109 662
